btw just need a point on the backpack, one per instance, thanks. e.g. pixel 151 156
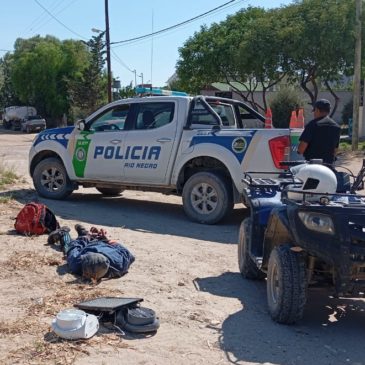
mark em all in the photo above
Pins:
pixel 35 218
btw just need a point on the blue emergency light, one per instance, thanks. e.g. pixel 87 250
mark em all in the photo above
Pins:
pixel 158 92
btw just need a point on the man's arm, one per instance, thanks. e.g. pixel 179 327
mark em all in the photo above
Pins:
pixel 302 147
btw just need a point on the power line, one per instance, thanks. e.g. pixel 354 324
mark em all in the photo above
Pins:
pixel 58 21
pixel 174 26
pixel 46 21
pixel 41 17
pixel 119 60
pixel 184 26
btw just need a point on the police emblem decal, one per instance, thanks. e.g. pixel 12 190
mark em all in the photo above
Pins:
pixel 80 154
pixel 239 145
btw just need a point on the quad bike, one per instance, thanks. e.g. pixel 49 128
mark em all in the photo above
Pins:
pixel 305 229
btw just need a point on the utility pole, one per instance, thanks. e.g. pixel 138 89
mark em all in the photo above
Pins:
pixel 357 78
pixel 141 76
pixel 135 78
pixel 107 39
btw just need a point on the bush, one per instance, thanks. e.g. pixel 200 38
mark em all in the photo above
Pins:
pixel 282 104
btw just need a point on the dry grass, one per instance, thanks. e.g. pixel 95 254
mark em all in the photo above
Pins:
pixel 7 175
pixel 28 261
pixel 45 347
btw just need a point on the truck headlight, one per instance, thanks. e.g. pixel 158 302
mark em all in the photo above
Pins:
pixel 317 222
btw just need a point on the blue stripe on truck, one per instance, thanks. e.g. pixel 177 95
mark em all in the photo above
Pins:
pixel 237 144
pixel 60 135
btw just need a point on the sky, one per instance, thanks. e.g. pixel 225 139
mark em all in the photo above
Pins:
pixel 152 59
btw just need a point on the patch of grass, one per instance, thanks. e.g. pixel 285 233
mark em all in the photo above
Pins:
pixel 7 175
pixel 347 146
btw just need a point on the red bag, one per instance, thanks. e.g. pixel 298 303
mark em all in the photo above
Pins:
pixel 35 218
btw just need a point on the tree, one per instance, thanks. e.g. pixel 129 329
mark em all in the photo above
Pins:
pixel 40 72
pixel 7 93
pixel 309 42
pixel 213 54
pixel 88 89
pixel 262 52
pixel 127 92
pixel 319 43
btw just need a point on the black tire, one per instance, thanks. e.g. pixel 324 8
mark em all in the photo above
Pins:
pixel 247 266
pixel 50 179
pixel 110 191
pixel 207 197
pixel 286 285
pixel 28 129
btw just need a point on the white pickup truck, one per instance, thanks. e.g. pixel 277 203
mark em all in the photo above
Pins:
pixel 196 147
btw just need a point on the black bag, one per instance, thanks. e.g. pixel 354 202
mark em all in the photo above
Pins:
pixel 138 320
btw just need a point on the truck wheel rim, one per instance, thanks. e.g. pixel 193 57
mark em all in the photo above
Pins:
pixel 204 198
pixel 52 179
pixel 274 284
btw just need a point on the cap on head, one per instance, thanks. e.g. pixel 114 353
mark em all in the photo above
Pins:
pixel 94 265
pixel 323 105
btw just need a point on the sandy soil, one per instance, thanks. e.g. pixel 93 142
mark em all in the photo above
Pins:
pixel 186 272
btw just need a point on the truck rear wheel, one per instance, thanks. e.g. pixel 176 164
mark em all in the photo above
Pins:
pixel 50 179
pixel 110 191
pixel 286 285
pixel 207 197
pixel 248 267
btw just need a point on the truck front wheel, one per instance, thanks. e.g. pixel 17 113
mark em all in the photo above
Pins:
pixel 207 197
pixel 50 179
pixel 286 285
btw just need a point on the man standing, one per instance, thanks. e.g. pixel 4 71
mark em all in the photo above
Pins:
pixel 321 135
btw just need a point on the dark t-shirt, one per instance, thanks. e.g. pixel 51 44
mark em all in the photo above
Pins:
pixel 323 136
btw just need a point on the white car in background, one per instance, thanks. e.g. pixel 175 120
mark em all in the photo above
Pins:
pixel 33 123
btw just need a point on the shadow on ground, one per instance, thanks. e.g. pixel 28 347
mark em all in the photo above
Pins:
pixel 331 331
pixel 147 216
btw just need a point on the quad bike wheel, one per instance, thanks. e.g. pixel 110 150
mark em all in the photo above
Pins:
pixel 286 285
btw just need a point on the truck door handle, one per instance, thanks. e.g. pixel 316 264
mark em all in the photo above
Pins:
pixel 116 141
pixel 163 140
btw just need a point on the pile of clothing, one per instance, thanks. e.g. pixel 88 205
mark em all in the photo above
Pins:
pixel 92 255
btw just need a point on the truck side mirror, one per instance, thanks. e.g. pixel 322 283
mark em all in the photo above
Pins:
pixel 80 124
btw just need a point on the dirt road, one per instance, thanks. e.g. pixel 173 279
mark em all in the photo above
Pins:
pixel 186 272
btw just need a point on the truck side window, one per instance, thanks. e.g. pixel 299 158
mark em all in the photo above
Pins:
pixel 111 120
pixel 249 120
pixel 201 116
pixel 154 115
pixel 226 113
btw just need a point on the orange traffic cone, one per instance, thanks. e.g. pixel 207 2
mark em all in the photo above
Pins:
pixel 293 120
pixel 300 118
pixel 268 118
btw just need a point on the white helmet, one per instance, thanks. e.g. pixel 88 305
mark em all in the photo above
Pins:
pixel 315 178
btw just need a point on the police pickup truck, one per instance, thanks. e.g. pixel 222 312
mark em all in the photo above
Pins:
pixel 197 147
